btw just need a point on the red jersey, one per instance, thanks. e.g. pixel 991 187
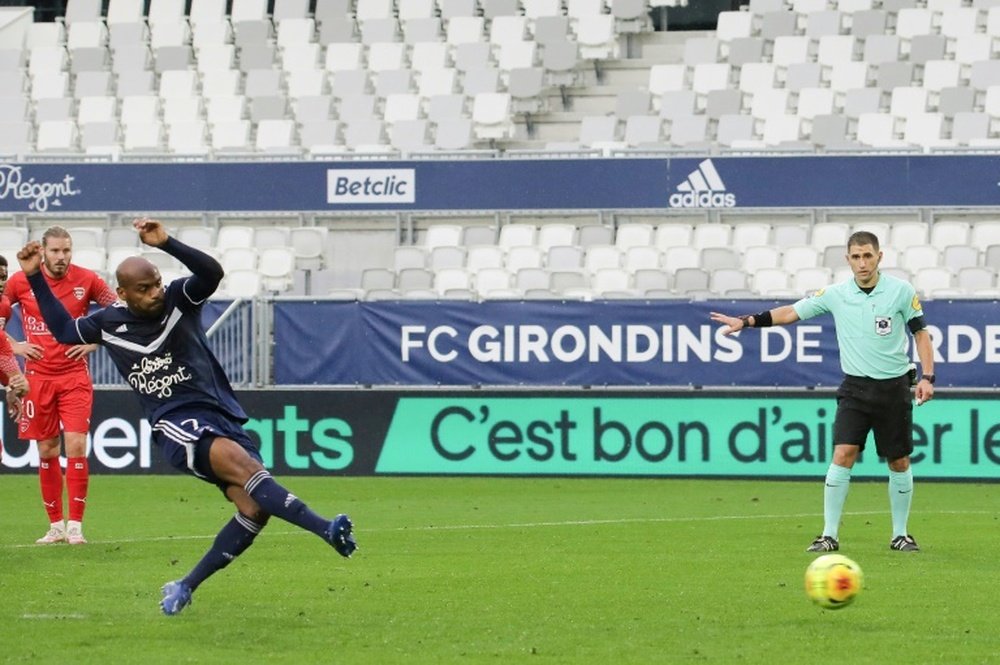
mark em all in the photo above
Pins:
pixel 8 363
pixel 76 290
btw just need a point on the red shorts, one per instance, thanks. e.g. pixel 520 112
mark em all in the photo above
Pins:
pixel 67 399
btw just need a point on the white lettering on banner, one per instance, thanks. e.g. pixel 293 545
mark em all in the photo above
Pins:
pixel 371 185
pixel 638 343
pixel 40 195
pixel 992 344
pixel 964 344
pixel 412 337
pixel 115 444
pixel 964 337
pixel 703 188
pixel 799 343
pixel 573 335
pixel 532 343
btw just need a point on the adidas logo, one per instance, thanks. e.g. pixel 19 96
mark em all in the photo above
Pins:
pixel 703 189
pixel 122 328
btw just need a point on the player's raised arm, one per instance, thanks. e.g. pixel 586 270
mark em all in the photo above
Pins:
pixel 780 316
pixel 206 271
pixel 62 326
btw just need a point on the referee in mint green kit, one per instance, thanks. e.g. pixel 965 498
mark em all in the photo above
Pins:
pixel 872 313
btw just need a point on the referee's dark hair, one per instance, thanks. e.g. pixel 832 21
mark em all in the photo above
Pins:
pixel 863 238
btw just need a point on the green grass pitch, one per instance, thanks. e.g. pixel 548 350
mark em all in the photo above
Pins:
pixel 489 570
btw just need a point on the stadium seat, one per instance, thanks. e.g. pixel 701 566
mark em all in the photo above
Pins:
pixel 809 280
pixel 767 280
pixel 240 284
pixel 681 256
pixel 602 256
pixel 493 282
pixel 759 257
pixel 276 265
pixel 452 278
pixel 565 257
pixel 201 237
pixel 528 280
pixel 798 257
pixel 447 256
pixel 478 257
pixel 712 235
pixel 945 233
pixel 976 279
pixel 411 279
pixel 309 243
pixel 641 257
pixel 523 256
pixel 930 279
pixel 238 258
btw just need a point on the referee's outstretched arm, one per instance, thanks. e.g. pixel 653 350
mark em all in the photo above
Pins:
pixel 779 316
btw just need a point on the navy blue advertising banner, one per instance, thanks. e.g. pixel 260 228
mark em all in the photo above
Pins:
pixel 612 343
pixel 504 184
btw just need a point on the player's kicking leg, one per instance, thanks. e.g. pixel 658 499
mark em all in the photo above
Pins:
pixel 258 497
pixel 234 538
pixel 232 464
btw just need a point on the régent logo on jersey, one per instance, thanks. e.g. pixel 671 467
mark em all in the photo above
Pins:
pixel 703 189
pixel 371 185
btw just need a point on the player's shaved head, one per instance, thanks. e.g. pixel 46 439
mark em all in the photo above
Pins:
pixel 140 286
pixel 133 269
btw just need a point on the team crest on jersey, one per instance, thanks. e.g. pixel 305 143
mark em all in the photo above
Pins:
pixel 916 304
pixel 78 292
pixel 883 325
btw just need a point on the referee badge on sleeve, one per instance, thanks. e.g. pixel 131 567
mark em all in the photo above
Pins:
pixel 883 325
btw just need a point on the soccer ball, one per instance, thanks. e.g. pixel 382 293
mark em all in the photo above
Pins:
pixel 833 581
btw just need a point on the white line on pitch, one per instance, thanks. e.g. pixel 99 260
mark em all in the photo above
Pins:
pixel 51 617
pixel 513 525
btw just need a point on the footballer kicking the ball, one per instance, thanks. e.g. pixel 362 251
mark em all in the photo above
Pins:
pixel 155 338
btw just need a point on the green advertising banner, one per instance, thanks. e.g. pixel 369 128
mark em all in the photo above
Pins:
pixel 636 435
pixel 761 434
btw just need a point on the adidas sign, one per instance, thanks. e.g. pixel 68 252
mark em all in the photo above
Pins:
pixel 703 189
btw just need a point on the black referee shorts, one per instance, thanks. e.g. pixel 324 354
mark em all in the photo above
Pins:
pixel 882 405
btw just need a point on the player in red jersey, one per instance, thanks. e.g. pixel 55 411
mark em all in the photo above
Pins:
pixel 60 391
pixel 10 371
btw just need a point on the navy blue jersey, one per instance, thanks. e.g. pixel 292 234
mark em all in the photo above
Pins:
pixel 166 360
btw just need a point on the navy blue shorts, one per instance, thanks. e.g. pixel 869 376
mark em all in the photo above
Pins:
pixel 185 436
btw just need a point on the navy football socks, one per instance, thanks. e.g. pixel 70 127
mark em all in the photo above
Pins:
pixel 231 541
pixel 277 501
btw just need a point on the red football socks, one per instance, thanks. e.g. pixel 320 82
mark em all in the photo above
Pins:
pixel 50 479
pixel 77 479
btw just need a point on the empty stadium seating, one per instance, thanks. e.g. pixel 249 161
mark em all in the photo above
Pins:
pixel 912 77
pixel 369 76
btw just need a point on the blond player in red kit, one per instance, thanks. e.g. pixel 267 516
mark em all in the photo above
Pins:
pixel 60 390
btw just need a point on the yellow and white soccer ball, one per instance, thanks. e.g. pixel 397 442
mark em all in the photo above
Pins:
pixel 833 581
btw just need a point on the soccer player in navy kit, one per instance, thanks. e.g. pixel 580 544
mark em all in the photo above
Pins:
pixel 154 337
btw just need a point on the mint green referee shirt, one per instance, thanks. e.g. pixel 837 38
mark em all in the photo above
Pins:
pixel 871 327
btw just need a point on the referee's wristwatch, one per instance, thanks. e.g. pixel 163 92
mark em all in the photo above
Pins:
pixel 928 377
